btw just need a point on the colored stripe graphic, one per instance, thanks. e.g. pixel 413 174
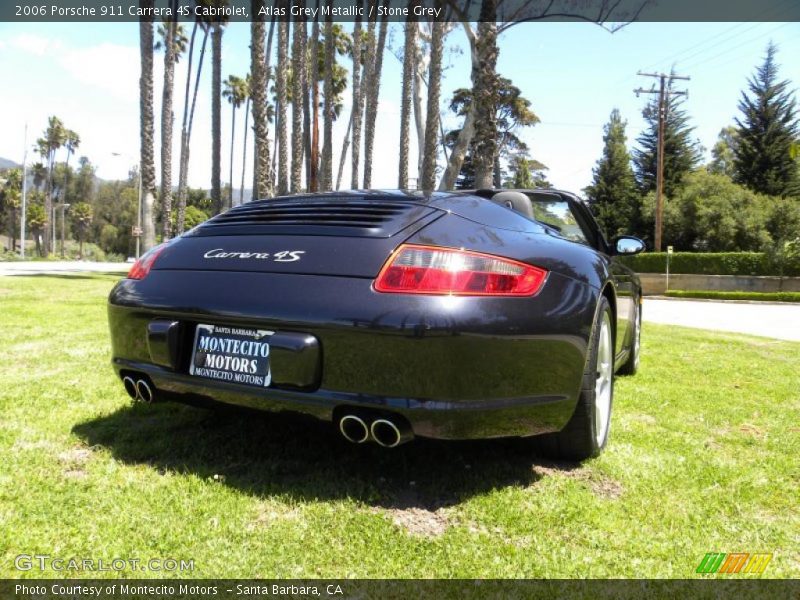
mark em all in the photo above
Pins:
pixel 736 562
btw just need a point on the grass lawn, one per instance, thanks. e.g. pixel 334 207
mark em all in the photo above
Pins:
pixel 704 456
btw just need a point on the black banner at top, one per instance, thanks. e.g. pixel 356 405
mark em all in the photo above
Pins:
pixel 506 11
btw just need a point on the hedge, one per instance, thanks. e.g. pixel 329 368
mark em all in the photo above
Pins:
pixel 710 263
pixel 717 295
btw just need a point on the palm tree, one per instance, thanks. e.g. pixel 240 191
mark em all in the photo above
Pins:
pixel 432 121
pixel 236 92
pixel 259 69
pixel 485 94
pixel 188 118
pixel 298 74
pixel 405 106
pixel 146 124
pixel 72 141
pixel 247 83
pixel 282 100
pixel 216 110
pixel 82 215
pixel 313 183
pixel 173 41
pixel 358 102
pixel 54 137
pixel 372 100
pixel 327 116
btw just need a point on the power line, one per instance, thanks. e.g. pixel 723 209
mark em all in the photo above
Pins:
pixel 664 92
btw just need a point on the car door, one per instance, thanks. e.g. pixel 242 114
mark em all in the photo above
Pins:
pixel 621 277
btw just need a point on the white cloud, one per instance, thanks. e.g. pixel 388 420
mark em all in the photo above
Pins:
pixel 110 67
pixel 34 44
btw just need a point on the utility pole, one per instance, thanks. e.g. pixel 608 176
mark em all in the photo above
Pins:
pixel 664 92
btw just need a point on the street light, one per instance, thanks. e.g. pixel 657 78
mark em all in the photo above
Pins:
pixel 138 231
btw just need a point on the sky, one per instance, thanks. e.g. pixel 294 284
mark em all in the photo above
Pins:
pixel 574 74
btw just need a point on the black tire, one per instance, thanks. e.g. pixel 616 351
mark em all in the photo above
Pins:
pixel 631 364
pixel 579 438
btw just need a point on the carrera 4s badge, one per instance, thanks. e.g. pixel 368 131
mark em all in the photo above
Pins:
pixel 282 256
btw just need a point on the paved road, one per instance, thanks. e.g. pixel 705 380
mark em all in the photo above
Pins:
pixel 781 321
pixel 775 320
pixel 60 267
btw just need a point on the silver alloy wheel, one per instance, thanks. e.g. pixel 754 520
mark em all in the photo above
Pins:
pixel 603 383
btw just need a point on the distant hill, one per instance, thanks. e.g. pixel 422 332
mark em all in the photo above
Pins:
pixel 5 163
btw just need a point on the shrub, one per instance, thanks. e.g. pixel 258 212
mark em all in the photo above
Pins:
pixel 712 263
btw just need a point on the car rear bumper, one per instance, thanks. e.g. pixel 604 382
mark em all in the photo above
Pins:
pixel 453 368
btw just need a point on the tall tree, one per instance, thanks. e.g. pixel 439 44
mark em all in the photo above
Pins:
pixel 326 182
pixel 485 96
pixel 681 151
pixel 358 102
pixel 216 112
pixel 313 183
pixel 188 118
pixel 82 215
pixel 281 90
pixel 259 69
pixel 147 125
pixel 71 143
pixel 298 75
pixel 409 51
pixel 10 200
pixel 767 131
pixel 235 91
pixel 247 83
pixel 173 41
pixel 612 193
pixel 55 136
pixel 428 182
pixel 372 91
pixel 723 153
pixel 512 112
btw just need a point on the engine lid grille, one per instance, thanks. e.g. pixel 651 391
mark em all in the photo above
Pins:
pixel 330 216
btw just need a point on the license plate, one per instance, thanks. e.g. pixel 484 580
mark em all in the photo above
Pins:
pixel 232 354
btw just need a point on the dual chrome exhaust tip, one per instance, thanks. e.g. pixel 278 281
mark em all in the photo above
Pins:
pixel 385 431
pixel 138 389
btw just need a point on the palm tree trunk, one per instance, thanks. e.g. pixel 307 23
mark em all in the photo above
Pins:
pixel 166 127
pixel 420 66
pixel 485 96
pixel 298 67
pixel 229 201
pixel 313 184
pixel 147 126
pixel 306 108
pixel 327 89
pixel 260 74
pixel 434 89
pixel 216 114
pixel 372 102
pixel 467 132
pixel 345 145
pixel 358 103
pixel 183 163
pixel 283 140
pixel 244 147
pixel 405 106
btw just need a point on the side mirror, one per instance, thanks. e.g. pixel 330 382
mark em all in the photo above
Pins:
pixel 628 245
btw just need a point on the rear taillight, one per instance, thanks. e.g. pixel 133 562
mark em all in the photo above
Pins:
pixel 142 267
pixel 416 269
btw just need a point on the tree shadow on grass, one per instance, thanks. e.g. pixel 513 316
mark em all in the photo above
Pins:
pixel 290 455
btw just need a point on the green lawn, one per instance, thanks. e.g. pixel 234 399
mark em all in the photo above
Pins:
pixel 703 457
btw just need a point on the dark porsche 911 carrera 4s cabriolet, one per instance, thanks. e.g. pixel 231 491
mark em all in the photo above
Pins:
pixel 391 314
